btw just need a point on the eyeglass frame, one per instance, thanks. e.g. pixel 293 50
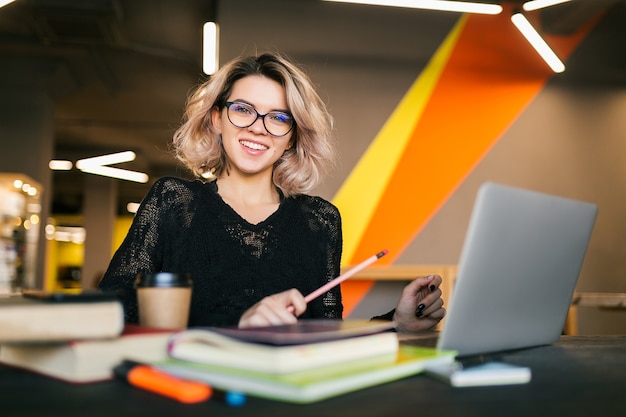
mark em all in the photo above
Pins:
pixel 259 115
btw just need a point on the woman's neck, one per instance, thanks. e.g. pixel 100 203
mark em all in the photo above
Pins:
pixel 253 199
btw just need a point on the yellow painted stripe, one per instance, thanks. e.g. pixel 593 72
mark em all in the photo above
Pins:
pixel 360 194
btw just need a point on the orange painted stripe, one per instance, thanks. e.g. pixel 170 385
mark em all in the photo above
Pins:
pixel 488 82
pixel 352 293
pixel 360 194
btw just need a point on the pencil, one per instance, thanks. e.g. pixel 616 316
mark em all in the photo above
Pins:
pixel 331 284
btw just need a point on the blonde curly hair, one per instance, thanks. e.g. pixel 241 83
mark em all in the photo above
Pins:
pixel 198 146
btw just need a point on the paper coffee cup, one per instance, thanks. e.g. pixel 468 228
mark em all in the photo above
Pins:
pixel 163 299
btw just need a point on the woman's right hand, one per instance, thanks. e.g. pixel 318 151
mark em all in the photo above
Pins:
pixel 281 308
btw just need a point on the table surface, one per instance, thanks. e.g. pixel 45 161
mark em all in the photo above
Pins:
pixel 578 375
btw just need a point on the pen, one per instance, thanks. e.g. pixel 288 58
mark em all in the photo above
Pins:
pixel 151 379
pixel 333 283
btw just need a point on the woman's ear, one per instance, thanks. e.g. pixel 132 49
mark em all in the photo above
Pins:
pixel 216 119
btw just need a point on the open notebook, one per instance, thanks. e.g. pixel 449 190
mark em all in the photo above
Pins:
pixel 520 262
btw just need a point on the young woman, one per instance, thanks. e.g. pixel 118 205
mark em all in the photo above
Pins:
pixel 258 138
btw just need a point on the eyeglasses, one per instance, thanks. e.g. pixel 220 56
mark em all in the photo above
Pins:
pixel 277 123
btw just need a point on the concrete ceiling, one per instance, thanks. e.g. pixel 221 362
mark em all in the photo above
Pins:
pixel 128 65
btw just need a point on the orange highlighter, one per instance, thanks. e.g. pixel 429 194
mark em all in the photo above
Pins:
pixel 151 379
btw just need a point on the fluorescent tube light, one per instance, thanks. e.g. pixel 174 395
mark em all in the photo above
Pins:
pixel 539 4
pixel 5 2
pixel 122 174
pixel 60 165
pixel 98 165
pixel 132 207
pixel 449 6
pixel 210 48
pixel 114 158
pixel 537 42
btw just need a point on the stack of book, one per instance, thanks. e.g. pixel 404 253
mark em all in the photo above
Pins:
pixel 76 338
pixel 81 338
pixel 301 363
pixel 53 317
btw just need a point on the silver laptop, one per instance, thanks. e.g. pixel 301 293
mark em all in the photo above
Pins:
pixel 518 269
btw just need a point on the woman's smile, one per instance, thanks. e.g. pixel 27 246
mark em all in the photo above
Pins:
pixel 255 146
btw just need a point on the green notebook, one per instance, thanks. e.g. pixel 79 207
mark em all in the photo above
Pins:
pixel 312 385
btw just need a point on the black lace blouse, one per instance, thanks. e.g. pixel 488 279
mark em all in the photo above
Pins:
pixel 185 226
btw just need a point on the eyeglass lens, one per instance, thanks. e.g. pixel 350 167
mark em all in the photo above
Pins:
pixel 244 115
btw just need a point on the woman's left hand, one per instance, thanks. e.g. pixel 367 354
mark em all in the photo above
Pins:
pixel 420 307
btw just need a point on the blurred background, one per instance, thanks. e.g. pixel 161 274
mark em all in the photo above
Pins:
pixel 427 104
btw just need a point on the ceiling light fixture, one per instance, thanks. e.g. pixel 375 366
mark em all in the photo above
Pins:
pixel 210 48
pixel 60 165
pixel 444 5
pixel 132 207
pixel 122 174
pixel 98 166
pixel 5 2
pixel 113 158
pixel 537 42
pixel 540 4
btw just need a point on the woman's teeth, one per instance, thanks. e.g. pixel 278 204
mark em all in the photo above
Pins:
pixel 253 145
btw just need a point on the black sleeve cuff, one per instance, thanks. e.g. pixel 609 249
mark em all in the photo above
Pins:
pixel 387 316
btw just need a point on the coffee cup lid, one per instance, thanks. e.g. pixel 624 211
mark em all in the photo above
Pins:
pixel 163 279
